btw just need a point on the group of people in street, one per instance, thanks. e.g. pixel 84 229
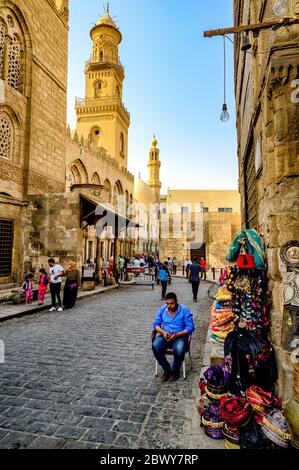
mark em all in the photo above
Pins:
pixel 52 280
pixel 203 264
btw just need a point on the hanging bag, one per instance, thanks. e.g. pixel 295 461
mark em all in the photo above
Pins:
pixel 245 260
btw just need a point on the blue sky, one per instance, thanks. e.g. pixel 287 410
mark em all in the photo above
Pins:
pixel 173 85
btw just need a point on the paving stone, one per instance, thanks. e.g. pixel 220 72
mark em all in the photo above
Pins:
pixel 19 424
pixel 39 404
pixel 3 433
pixel 42 428
pixel 138 417
pixel 126 441
pixel 36 394
pixel 70 432
pixel 47 443
pixel 127 427
pixel 117 414
pixel 104 437
pixel 71 444
pixel 97 423
pixel 12 391
pixel 88 410
pixel 16 440
pixel 82 367
pixel 15 401
pixel 68 419
pixel 15 411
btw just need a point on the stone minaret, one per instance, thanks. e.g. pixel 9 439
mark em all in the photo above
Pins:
pixel 102 118
pixel 154 165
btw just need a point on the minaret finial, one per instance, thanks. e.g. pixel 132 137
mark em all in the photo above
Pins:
pixel 107 8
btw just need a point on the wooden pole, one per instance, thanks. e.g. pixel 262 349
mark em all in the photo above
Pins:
pixel 252 27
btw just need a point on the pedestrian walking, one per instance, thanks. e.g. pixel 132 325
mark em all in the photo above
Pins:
pixel 136 262
pixel 175 265
pixel 121 265
pixel 170 264
pixel 203 265
pixel 188 264
pixel 42 287
pixel 173 323
pixel 157 264
pixel 164 276
pixel 27 288
pixel 194 277
pixel 55 284
pixel 71 285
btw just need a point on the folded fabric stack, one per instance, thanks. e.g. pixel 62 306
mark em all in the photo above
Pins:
pixel 231 436
pixel 223 294
pixel 211 422
pixel 261 402
pixel 217 383
pixel 236 412
pixel 222 319
pixel 275 428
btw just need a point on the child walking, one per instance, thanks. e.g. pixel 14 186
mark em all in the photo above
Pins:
pixel 27 287
pixel 43 284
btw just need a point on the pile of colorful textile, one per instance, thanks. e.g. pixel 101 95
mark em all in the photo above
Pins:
pixel 261 402
pixel 216 387
pixel 236 413
pixel 254 422
pixel 222 318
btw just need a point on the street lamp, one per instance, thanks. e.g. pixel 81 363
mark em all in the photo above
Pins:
pixel 281 8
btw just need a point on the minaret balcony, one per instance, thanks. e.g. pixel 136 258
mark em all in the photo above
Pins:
pixel 99 104
pixel 103 62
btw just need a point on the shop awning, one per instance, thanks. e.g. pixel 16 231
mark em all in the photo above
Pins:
pixel 101 214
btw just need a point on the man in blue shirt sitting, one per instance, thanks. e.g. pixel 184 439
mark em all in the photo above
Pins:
pixel 174 322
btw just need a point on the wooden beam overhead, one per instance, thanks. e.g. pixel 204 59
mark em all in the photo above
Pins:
pixel 252 27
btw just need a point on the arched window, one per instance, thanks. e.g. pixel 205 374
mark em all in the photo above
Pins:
pixel 117 91
pixel 95 179
pixel 122 142
pixel 2 43
pixel 5 136
pixel 14 63
pixel 101 56
pixel 107 190
pixel 12 48
pixel 95 135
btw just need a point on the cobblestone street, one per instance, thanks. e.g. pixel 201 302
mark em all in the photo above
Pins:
pixel 85 378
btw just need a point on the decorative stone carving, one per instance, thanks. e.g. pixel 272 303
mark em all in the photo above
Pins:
pixel 38 181
pixel 281 75
pixel 10 172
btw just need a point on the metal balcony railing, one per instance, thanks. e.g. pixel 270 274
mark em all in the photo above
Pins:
pixel 100 102
pixel 104 59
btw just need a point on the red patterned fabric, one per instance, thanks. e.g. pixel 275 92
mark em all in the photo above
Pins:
pixel 235 410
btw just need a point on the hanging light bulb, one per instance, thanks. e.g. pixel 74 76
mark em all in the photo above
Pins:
pixel 281 8
pixel 224 115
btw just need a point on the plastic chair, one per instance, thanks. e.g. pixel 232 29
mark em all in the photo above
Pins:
pixel 169 352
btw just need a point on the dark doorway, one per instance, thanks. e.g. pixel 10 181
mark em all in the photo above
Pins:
pixel 198 250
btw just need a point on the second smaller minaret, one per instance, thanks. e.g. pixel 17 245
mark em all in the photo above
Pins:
pixel 154 165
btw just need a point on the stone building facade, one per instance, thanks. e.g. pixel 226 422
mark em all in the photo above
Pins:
pixel 52 179
pixel 199 223
pixel 267 101
pixel 33 80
